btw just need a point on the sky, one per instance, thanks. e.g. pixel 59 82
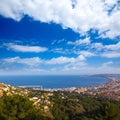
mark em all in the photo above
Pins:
pixel 59 37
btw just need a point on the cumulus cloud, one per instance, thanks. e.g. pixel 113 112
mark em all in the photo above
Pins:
pixel 73 66
pixel 26 61
pixel 108 51
pixel 34 65
pixel 80 16
pixel 95 49
pixel 111 54
pixel 113 46
pixel 79 42
pixel 23 48
pixel 91 49
pixel 36 61
pixel 60 60
pixel 97 46
pixel 86 53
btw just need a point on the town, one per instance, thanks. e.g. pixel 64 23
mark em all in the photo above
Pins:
pixel 41 97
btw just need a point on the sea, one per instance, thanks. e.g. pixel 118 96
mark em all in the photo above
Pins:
pixel 54 81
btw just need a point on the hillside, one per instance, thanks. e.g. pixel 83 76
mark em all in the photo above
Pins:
pixel 26 104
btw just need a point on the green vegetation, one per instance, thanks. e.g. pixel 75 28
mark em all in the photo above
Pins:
pixel 66 106
pixel 19 108
pixel 70 106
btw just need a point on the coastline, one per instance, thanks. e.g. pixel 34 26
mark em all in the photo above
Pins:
pixel 109 90
pixel 40 87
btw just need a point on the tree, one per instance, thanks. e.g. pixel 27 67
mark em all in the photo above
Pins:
pixel 110 111
pixel 17 107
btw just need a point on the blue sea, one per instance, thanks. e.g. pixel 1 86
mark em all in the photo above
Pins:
pixel 54 81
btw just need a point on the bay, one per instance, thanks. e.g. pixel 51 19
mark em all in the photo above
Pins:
pixel 57 81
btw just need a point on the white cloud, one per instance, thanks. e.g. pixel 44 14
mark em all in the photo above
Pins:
pixel 86 53
pixel 95 49
pixel 80 42
pixel 107 63
pixel 22 48
pixel 108 51
pixel 82 68
pixel 60 60
pixel 73 70
pixel 64 60
pixel 34 65
pixel 11 60
pixel 85 15
pixel 27 61
pixel 58 50
pixel 101 70
pixel 97 46
pixel 73 66
pixel 12 9
pixel 113 46
pixel 58 41
pixel 100 46
pixel 36 61
pixel 111 54
pixel 110 2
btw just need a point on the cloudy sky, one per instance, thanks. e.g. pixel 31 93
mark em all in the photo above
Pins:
pixel 59 36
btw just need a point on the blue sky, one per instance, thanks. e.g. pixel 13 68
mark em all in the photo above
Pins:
pixel 59 37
